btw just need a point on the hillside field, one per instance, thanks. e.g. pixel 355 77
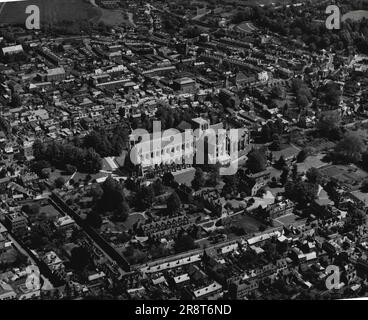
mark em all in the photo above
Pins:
pixel 51 11
pixel 355 15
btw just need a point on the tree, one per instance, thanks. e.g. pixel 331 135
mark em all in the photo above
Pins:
pixel 271 250
pixel 278 92
pixel 113 196
pixel 16 101
pixel 281 163
pixel 191 32
pixel 331 188
pixel 121 213
pixel 32 209
pixel 266 133
pixel 301 192
pixel 5 125
pixel 227 101
pixel 350 148
pixel 294 173
pixel 45 173
pixel 214 175
pixel 103 27
pixel 38 149
pixel 257 161
pixel 302 156
pixel 135 255
pixel 167 179
pixel 365 160
pixel 184 242
pixel 357 216
pixel 276 143
pixel 331 94
pixel 314 176
pixel 122 112
pixel 302 101
pixel 244 15
pixel 70 169
pixel 61 154
pixel 284 175
pixel 131 184
pixel 364 187
pixel 302 92
pixel 231 185
pixel 328 124
pixel 79 258
pixel 158 187
pixel 99 142
pixel 298 84
pixel 59 182
pixel 144 198
pixel 94 219
pixel 165 114
pixel 173 203
pixel 38 166
pixel 96 192
pixel 92 162
pixel 198 182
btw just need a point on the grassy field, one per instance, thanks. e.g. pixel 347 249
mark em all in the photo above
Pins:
pixel 258 2
pixel 246 222
pixel 355 15
pixel 51 11
pixel 247 27
pixel 113 17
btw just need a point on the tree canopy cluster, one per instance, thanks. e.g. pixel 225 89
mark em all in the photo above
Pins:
pixel 106 145
pixel 60 155
pixel 349 150
pixel 257 161
pixel 238 183
pixel 113 199
pixel 302 192
pixel 329 125
pixel 305 28
pixel 302 93
pixel 109 198
pixel 330 94
pixel 271 129
pixel 184 242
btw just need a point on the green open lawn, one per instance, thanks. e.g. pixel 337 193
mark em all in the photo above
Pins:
pixel 132 219
pixel 355 15
pixel 246 222
pixel 124 226
pixel 185 176
pixel 246 27
pixel 49 211
pixel 51 11
pixel 113 17
pixel 259 2
pixel 285 220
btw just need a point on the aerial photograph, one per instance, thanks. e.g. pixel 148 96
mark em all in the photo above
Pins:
pixel 183 150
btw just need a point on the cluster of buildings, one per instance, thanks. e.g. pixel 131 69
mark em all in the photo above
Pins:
pixel 200 83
